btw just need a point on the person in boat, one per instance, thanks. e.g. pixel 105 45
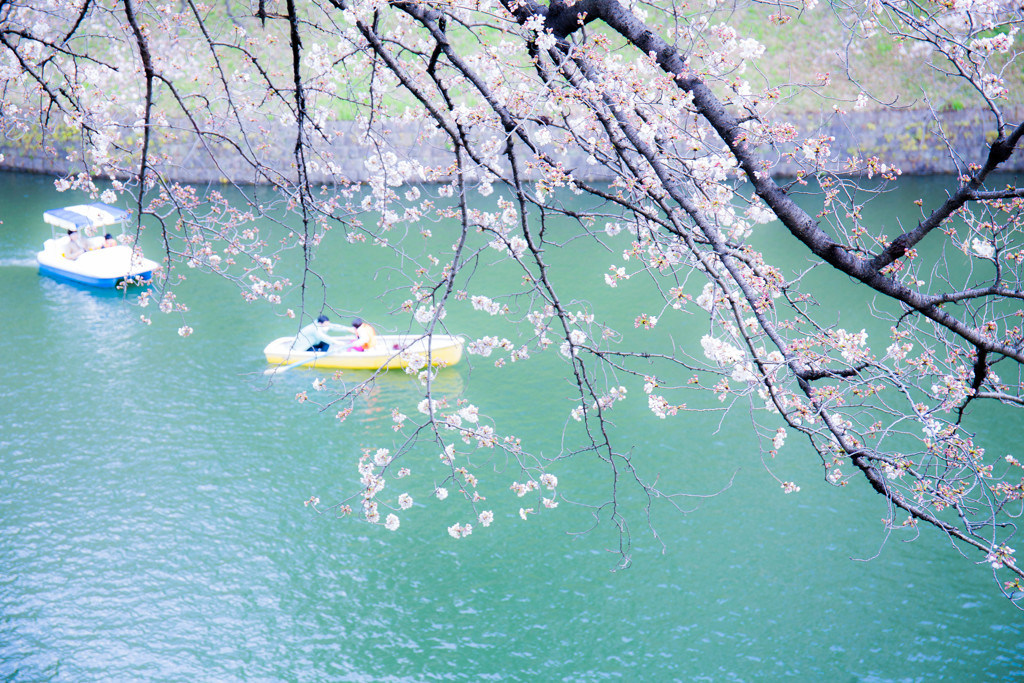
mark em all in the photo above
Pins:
pixel 365 336
pixel 314 337
pixel 109 241
pixel 76 245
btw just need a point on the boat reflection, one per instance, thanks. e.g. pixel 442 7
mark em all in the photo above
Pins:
pixel 370 397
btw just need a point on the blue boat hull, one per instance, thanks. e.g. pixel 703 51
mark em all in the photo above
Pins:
pixel 107 283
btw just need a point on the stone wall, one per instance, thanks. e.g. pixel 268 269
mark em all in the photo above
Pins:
pixel 905 138
pixel 909 139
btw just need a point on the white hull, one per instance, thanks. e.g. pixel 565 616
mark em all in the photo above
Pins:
pixel 98 267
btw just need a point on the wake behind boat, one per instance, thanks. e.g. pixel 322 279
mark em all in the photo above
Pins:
pixel 91 259
pixel 388 351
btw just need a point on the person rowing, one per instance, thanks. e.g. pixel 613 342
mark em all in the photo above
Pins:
pixel 314 337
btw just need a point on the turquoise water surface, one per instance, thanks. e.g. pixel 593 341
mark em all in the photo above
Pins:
pixel 152 525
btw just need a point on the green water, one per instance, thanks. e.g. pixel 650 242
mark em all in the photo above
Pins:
pixel 152 524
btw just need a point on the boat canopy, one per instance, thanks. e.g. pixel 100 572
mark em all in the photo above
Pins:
pixel 84 216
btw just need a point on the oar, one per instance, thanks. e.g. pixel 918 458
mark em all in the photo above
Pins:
pixel 285 368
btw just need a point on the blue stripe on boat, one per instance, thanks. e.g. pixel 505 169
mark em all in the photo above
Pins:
pixel 66 217
pixel 107 282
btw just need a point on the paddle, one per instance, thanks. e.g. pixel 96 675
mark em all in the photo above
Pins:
pixel 277 370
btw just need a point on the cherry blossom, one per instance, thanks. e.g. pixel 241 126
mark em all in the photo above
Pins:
pixel 658 149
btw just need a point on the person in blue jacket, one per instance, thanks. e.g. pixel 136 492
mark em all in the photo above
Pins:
pixel 314 337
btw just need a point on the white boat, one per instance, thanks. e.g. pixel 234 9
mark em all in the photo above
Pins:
pixel 389 351
pixel 98 265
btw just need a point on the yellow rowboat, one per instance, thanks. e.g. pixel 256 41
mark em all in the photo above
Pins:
pixel 390 351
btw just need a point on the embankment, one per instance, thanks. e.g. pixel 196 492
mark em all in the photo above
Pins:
pixel 909 139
